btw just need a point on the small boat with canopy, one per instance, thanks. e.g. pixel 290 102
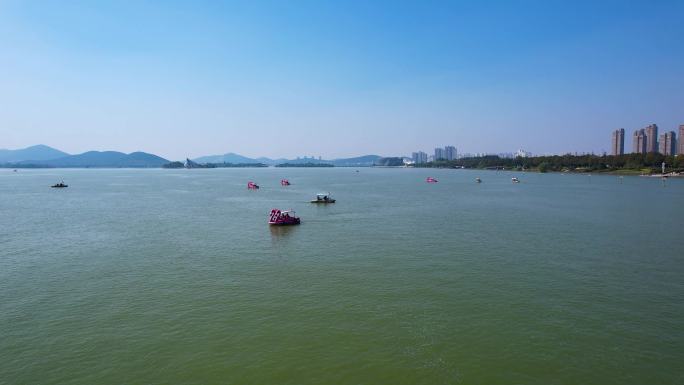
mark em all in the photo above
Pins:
pixel 60 185
pixel 431 180
pixel 252 186
pixel 283 218
pixel 284 182
pixel 323 198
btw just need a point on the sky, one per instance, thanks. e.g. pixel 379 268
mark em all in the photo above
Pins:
pixel 337 79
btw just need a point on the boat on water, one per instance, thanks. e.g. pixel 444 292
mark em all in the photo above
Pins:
pixel 252 186
pixel 478 180
pixel 284 182
pixel 60 185
pixel 283 218
pixel 431 180
pixel 323 198
pixel 515 180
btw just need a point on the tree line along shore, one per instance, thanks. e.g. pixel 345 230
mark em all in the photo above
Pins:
pixel 650 163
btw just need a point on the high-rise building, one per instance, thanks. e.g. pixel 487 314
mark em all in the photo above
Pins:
pixel 681 141
pixel 618 143
pixel 439 154
pixel 450 152
pixel 639 142
pixel 651 138
pixel 419 157
pixel 668 143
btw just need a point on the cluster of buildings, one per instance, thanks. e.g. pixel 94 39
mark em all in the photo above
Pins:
pixel 449 153
pixel 646 140
pixel 446 153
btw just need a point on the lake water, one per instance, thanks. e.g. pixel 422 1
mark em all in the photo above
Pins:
pixel 174 277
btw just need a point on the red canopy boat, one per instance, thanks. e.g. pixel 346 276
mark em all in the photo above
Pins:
pixel 284 182
pixel 252 186
pixel 431 180
pixel 283 218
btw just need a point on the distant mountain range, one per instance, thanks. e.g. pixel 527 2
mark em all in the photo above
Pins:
pixel 36 153
pixel 107 159
pixel 44 156
pixel 361 161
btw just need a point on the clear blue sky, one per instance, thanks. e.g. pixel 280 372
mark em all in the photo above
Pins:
pixel 332 78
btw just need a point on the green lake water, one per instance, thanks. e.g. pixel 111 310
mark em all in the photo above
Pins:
pixel 174 277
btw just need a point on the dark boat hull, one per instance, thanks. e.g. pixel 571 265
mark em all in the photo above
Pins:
pixel 294 221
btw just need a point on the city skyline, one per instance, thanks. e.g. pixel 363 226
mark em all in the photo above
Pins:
pixel 277 79
pixel 647 140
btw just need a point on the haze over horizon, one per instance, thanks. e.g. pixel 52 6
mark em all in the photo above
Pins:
pixel 314 78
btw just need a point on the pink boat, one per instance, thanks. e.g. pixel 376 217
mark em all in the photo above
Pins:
pixel 431 180
pixel 283 218
pixel 284 182
pixel 252 186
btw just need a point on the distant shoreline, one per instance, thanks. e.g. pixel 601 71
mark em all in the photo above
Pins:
pixel 535 171
pixel 627 164
pixel 630 173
